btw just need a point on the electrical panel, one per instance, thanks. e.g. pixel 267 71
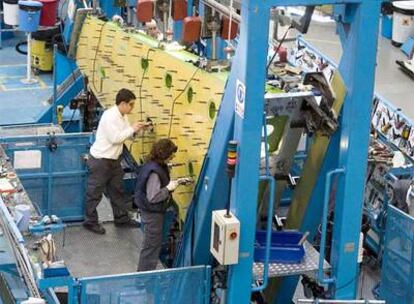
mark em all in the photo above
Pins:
pixel 225 237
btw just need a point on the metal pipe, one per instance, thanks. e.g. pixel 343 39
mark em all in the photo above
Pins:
pixel 214 45
pixel 29 58
pixel 222 9
pixel 49 182
pixel 54 108
pixel 165 21
pixel 271 180
pixel 10 222
pixel 8 30
pixel 230 21
pixel 53 174
pixel 321 278
pixel 341 301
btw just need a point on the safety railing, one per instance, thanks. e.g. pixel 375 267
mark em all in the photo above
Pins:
pixel 50 166
pixel 269 178
pixel 397 271
pixel 179 285
pixel 329 175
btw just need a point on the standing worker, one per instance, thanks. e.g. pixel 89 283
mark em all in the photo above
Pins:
pixel 104 163
pixel 152 30
pixel 152 196
pixel 401 195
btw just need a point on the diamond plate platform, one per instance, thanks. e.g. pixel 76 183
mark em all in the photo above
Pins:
pixel 310 263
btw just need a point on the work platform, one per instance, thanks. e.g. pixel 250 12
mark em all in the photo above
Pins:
pixel 309 264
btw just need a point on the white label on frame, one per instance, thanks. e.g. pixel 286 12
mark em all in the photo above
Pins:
pixel 240 98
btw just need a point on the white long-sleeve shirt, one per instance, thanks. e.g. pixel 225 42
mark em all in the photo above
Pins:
pixel 113 130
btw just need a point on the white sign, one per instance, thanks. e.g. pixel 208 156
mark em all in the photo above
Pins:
pixel 30 159
pixel 240 96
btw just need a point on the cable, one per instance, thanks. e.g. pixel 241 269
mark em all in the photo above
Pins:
pixel 178 96
pixel 230 23
pixel 142 81
pixel 347 284
pixel 18 50
pixel 70 121
pixel 96 55
pixel 278 47
pixel 140 98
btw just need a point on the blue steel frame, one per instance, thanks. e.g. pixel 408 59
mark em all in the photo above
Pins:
pixel 155 277
pixel 348 147
pixel 55 173
pixel 358 32
pixel 358 29
pixel 310 223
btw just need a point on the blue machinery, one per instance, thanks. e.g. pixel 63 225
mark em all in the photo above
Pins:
pixel 358 26
pixel 60 170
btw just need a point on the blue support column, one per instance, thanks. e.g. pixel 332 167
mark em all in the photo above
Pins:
pixel 359 40
pixel 178 25
pixel 221 44
pixel 109 9
pixel 177 30
pixel 251 56
pixel 348 149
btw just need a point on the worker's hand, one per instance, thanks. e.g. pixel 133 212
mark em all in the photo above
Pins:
pixel 185 181
pixel 137 126
pixel 172 185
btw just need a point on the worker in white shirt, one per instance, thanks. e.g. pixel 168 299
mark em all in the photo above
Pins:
pixel 104 163
pixel 152 30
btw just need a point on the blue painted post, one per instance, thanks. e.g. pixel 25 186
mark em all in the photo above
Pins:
pixel 49 156
pixel 177 30
pixel 358 70
pixel 190 4
pixel 109 8
pixel 55 67
pixel 249 91
pixel 178 25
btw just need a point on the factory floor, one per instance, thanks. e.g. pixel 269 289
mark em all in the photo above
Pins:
pixel 88 254
pixel 23 103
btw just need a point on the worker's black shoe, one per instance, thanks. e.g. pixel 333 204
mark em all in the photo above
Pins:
pixel 94 227
pixel 129 223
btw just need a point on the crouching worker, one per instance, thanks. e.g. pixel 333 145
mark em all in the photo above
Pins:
pixel 153 197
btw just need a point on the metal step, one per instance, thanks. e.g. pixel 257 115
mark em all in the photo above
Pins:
pixel 310 263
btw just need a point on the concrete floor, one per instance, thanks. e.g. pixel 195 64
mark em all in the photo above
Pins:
pixel 391 82
pixel 23 103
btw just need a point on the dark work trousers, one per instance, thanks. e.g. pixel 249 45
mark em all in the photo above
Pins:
pixel 105 175
pixel 151 246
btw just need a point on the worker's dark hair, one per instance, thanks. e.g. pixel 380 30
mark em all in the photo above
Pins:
pixel 162 150
pixel 124 95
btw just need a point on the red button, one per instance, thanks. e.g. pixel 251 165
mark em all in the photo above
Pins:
pixel 233 235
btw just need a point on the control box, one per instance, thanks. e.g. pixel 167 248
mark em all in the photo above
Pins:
pixel 225 237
